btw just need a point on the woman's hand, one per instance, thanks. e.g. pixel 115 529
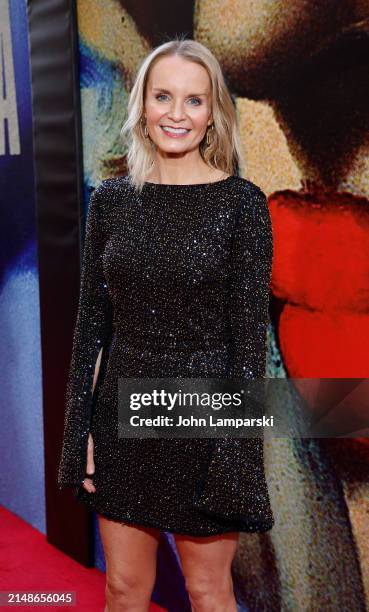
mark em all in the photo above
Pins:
pixel 90 466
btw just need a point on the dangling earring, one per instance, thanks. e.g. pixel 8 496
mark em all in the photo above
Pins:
pixel 208 139
pixel 145 130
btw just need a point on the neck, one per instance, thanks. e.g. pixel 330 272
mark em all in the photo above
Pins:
pixel 175 173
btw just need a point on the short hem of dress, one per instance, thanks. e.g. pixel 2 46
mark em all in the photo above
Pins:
pixel 253 524
pixel 261 528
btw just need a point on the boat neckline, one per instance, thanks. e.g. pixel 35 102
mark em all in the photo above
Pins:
pixel 190 184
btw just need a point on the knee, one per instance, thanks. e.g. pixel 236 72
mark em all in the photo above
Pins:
pixel 209 594
pixel 128 592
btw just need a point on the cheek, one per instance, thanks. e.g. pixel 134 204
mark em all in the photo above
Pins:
pixel 199 119
pixel 153 113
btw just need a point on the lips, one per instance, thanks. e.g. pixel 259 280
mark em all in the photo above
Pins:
pixel 177 129
pixel 174 127
pixel 172 132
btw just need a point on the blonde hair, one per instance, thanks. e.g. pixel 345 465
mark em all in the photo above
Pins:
pixel 224 151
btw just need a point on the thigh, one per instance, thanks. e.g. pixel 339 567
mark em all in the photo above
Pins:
pixel 130 550
pixel 207 557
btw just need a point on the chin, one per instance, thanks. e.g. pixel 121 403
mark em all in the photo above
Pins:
pixel 169 147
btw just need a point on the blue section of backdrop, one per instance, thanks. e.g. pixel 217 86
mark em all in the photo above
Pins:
pixel 21 442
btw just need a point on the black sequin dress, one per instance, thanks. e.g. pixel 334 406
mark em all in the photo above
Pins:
pixel 175 283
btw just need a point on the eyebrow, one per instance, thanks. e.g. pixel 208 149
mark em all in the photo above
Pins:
pixel 168 92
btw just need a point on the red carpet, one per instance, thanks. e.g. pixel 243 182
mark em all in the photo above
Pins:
pixel 29 563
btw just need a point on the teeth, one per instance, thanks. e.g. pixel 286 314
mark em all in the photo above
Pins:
pixel 175 130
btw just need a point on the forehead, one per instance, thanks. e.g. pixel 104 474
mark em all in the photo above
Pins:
pixel 175 73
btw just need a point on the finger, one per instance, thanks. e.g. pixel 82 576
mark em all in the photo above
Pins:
pixel 89 486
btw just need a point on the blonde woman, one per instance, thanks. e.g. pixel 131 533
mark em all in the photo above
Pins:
pixel 175 283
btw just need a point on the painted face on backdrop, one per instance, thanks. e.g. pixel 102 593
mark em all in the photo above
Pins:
pixel 177 105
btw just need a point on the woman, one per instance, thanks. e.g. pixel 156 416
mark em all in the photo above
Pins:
pixel 175 283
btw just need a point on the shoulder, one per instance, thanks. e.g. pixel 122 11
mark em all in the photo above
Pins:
pixel 109 188
pixel 253 221
pixel 107 195
pixel 249 191
pixel 252 201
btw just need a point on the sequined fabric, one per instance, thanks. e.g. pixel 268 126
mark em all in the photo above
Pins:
pixel 175 283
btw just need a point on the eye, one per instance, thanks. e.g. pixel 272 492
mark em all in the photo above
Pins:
pixel 197 100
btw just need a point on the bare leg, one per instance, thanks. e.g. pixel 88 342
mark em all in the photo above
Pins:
pixel 206 565
pixel 130 555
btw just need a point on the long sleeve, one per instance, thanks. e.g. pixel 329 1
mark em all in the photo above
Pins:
pixel 251 262
pixel 91 333
pixel 234 485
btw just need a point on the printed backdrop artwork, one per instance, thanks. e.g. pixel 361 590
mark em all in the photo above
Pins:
pixel 298 74
pixel 20 358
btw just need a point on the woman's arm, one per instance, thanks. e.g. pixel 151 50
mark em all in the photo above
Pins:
pixel 97 370
pixel 234 484
pixel 91 333
pixel 251 265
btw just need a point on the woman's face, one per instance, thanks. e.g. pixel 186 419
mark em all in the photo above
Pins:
pixel 178 96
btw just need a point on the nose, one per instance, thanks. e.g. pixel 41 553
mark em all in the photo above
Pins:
pixel 176 112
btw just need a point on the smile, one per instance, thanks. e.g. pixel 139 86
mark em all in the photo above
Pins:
pixel 174 132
